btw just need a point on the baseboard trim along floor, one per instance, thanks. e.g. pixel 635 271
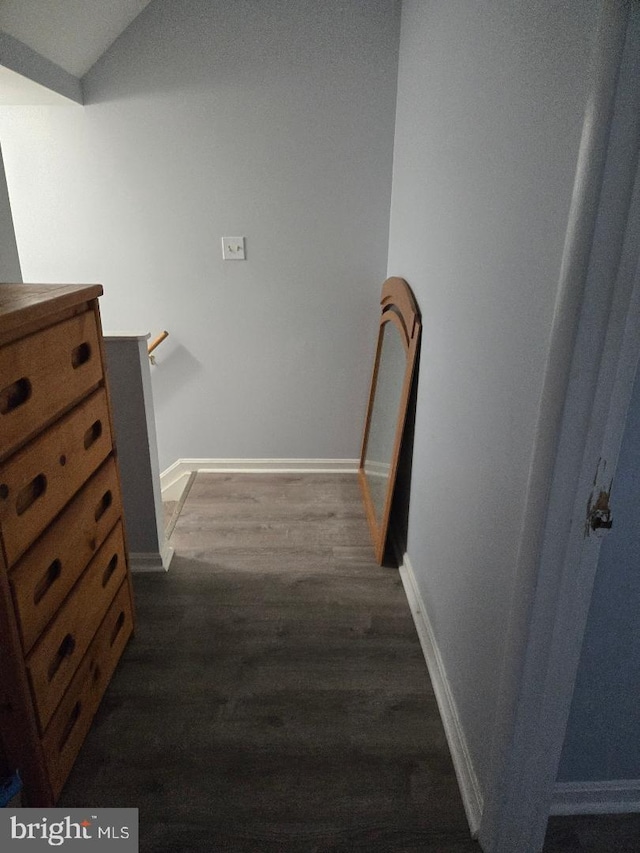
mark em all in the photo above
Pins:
pixel 174 479
pixel 153 561
pixel 467 779
pixel 616 796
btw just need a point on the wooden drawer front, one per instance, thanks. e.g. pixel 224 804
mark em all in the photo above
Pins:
pixel 42 477
pixel 41 580
pixel 44 373
pixel 72 720
pixel 55 657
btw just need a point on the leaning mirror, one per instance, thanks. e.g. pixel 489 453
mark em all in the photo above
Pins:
pixel 398 336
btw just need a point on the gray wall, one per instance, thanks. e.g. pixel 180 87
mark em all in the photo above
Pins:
pixel 9 261
pixel 272 120
pixel 135 435
pixel 602 741
pixel 490 105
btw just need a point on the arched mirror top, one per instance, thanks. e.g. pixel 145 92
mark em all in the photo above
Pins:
pixel 397 302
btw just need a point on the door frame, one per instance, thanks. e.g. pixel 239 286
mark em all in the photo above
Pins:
pixel 593 353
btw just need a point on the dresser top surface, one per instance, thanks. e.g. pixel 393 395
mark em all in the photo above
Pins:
pixel 26 303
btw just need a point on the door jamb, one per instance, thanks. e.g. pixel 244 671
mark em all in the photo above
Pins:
pixel 587 387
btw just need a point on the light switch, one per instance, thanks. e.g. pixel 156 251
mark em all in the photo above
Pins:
pixel 233 248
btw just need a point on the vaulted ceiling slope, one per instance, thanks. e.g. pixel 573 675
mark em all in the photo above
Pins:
pixel 55 42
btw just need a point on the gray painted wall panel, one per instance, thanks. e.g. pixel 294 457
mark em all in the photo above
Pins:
pixel 134 435
pixel 9 261
pixel 491 97
pixel 272 120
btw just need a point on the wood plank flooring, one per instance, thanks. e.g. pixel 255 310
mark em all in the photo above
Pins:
pixel 613 833
pixel 275 698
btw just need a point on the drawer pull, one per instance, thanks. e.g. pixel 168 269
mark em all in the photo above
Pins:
pixel 96 673
pixel 30 494
pixel 65 650
pixel 92 434
pixel 80 355
pixel 73 719
pixel 14 395
pixel 49 578
pixel 113 563
pixel 103 505
pixel 117 628
pixel 4 491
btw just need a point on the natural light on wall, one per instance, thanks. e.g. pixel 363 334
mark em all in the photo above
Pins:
pixel 18 90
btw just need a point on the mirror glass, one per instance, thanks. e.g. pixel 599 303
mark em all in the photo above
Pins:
pixel 385 407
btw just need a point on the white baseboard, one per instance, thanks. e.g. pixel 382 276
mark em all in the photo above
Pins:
pixel 166 554
pixel 174 480
pixel 151 561
pixel 608 797
pixel 466 775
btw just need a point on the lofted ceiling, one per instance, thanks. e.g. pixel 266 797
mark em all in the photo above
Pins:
pixel 17 90
pixel 73 34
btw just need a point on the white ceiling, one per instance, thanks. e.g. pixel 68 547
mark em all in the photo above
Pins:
pixel 72 33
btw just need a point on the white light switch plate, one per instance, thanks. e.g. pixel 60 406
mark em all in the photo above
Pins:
pixel 233 248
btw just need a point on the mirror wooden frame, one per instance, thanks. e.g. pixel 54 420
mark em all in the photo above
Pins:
pixel 398 306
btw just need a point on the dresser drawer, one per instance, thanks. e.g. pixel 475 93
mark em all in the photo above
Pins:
pixel 43 374
pixel 66 607
pixel 55 657
pixel 72 720
pixel 41 580
pixel 40 479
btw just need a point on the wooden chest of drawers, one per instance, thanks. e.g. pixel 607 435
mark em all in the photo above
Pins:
pixel 66 606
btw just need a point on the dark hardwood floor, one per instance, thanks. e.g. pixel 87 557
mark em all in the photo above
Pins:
pixel 618 833
pixel 275 697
